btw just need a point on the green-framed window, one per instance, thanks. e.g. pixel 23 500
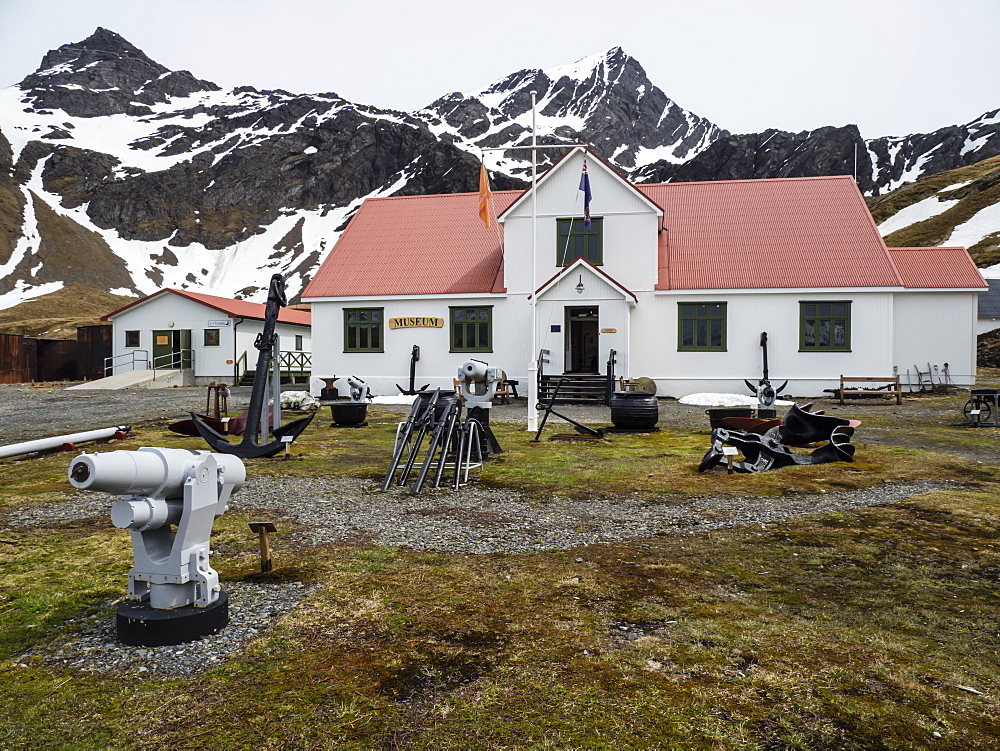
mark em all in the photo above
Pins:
pixel 701 327
pixel 825 326
pixel 471 328
pixel 574 240
pixel 363 330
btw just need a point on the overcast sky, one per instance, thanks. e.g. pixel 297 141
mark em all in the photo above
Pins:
pixel 892 66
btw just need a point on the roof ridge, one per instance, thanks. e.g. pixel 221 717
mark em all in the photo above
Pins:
pixel 744 180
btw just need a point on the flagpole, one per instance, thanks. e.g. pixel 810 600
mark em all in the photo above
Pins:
pixel 533 362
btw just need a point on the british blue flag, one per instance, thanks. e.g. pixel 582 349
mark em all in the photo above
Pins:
pixel 585 187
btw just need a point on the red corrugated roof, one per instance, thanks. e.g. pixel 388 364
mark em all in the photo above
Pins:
pixel 416 245
pixel 234 308
pixel 727 234
pixel 759 234
pixel 937 267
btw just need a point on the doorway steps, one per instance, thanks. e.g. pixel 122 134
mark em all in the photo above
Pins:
pixel 576 389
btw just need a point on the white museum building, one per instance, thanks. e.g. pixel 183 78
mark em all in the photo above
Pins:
pixel 678 279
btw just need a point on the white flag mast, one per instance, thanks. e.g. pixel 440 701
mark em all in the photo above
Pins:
pixel 533 362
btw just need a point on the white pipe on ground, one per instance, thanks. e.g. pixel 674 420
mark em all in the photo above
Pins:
pixel 47 444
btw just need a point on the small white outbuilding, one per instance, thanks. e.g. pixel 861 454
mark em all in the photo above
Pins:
pixel 212 337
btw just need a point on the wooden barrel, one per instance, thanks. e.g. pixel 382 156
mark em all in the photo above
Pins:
pixel 634 410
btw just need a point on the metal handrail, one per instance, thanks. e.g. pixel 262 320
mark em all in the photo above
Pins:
pixel 240 368
pixel 180 359
pixel 111 365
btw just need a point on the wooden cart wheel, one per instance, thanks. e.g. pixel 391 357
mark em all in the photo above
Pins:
pixel 983 407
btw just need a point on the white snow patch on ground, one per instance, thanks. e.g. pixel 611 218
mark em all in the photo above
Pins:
pixel 914 213
pixel 397 399
pixel 726 400
pixel 23 292
pixel 984 222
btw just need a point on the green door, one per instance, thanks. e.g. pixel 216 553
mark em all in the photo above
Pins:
pixel 185 352
pixel 172 348
pixel 163 349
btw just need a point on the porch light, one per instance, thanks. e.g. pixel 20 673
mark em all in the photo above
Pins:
pixel 579 285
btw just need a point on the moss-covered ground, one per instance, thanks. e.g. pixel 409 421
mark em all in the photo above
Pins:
pixel 873 628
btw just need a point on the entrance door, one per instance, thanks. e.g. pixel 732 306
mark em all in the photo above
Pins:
pixel 172 348
pixel 581 340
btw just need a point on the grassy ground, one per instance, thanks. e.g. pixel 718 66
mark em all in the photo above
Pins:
pixel 874 628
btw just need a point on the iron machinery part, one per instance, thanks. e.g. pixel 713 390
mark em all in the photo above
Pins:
pixel 548 409
pixel 983 407
pixel 770 450
pixel 415 424
pixel 249 448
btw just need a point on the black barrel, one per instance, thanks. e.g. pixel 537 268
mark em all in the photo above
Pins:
pixel 441 405
pixel 349 413
pixel 634 410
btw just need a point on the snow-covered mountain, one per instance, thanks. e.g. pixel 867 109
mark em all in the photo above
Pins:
pixel 119 173
pixel 605 100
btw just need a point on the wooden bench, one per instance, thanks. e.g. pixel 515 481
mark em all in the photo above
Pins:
pixel 891 380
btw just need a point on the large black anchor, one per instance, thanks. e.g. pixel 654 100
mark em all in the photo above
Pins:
pixel 764 391
pixel 248 448
pixel 414 356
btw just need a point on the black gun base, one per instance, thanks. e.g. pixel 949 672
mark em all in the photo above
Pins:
pixel 140 625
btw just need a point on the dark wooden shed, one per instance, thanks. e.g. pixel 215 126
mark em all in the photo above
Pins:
pixel 93 348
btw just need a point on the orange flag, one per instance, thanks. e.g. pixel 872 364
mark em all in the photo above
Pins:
pixel 484 195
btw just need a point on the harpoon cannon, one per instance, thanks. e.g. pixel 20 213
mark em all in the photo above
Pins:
pixel 173 593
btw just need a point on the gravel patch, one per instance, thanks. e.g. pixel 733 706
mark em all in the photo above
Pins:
pixel 481 520
pixel 484 520
pixel 92 646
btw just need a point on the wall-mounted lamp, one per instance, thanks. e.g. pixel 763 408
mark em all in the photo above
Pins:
pixel 579 285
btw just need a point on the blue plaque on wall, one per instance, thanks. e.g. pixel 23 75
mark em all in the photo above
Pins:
pixel 555 328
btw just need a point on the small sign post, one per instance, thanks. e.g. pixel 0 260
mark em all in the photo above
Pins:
pixel 261 529
pixel 729 452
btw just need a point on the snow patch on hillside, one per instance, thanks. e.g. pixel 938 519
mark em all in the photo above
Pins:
pixel 983 223
pixel 917 212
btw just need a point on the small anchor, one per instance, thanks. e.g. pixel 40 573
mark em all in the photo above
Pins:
pixel 764 391
pixel 248 448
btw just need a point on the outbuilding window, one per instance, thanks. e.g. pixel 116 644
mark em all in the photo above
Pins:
pixel 574 240
pixel 701 327
pixel 471 329
pixel 211 337
pixel 131 338
pixel 363 330
pixel 825 326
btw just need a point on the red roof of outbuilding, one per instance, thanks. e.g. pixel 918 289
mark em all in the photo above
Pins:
pixel 416 245
pixel 233 308
pixel 937 267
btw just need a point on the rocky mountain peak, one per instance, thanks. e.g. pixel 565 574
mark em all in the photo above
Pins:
pixel 605 100
pixel 105 75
